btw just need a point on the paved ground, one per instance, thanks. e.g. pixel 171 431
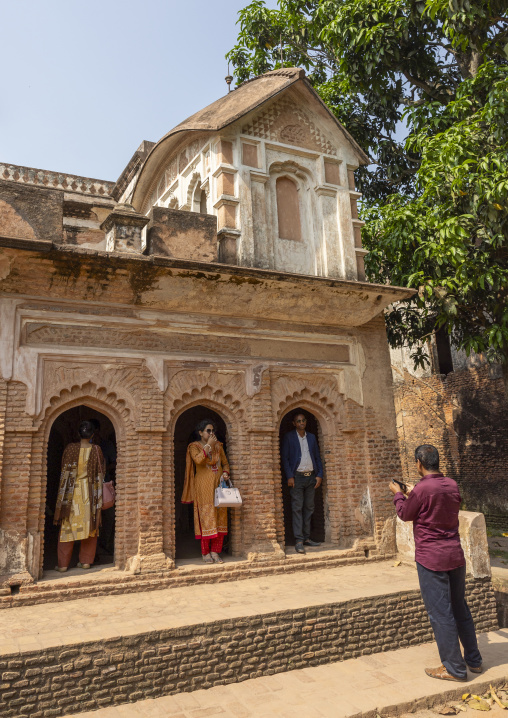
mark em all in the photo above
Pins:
pixel 88 619
pixel 332 691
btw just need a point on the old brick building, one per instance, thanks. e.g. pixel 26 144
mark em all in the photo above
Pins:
pixel 221 275
pixel 460 405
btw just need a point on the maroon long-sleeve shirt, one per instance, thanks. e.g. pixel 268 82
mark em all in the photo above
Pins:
pixel 433 507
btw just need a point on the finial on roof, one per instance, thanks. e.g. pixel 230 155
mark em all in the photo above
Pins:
pixel 229 79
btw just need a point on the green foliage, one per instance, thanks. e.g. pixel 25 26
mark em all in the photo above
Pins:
pixel 435 204
pixel 451 240
pixel 370 59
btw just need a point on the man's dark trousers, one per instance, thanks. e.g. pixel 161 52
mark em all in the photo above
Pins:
pixel 302 504
pixel 443 595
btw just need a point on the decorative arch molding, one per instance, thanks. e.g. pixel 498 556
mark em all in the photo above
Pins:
pixel 327 421
pixel 232 420
pixel 320 396
pixel 130 382
pixel 96 397
pixel 291 169
pixel 224 389
pixel 194 184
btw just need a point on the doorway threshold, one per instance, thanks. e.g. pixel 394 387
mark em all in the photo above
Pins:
pixel 106 580
pixel 75 574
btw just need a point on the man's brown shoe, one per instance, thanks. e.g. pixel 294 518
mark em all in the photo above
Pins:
pixel 476 669
pixel 443 674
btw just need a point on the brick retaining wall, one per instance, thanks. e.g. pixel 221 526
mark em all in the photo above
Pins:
pixel 88 676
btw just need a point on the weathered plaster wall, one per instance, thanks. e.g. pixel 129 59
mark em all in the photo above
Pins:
pixel 27 212
pixel 141 342
pixel 186 235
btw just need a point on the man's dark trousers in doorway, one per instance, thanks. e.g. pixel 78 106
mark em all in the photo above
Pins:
pixel 302 503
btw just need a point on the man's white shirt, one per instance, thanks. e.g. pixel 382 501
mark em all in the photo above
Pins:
pixel 306 460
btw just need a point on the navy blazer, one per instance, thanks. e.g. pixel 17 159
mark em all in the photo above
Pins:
pixel 292 453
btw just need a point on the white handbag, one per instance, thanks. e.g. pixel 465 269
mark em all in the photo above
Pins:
pixel 227 495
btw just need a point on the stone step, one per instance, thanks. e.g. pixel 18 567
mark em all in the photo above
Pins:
pixel 107 581
pixel 387 684
pixel 89 653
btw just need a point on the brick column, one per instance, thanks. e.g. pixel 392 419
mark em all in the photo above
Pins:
pixel 260 535
pixel 15 541
pixel 3 405
pixel 150 557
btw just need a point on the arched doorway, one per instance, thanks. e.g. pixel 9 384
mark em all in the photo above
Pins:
pixel 318 517
pixel 186 545
pixel 63 432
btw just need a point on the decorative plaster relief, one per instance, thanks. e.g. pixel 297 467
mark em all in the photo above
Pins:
pixel 284 121
pixel 254 378
pixel 318 389
pixel 109 337
pixel 121 380
pixel 193 385
pixel 105 337
pixel 174 166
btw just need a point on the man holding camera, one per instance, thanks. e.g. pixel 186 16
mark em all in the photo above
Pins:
pixel 433 507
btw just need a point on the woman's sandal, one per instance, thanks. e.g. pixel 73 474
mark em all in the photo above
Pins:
pixel 83 565
pixel 207 558
pixel 216 557
pixel 61 569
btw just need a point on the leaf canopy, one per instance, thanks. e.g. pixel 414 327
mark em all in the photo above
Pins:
pixel 436 202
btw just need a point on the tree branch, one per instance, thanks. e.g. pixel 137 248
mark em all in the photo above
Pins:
pixel 422 85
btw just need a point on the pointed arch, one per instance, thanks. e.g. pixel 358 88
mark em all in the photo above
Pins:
pixel 233 416
pixel 326 403
pixel 116 411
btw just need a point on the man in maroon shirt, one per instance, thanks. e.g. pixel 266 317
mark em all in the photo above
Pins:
pixel 433 507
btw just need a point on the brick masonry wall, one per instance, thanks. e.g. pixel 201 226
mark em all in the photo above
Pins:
pixel 89 676
pixel 465 415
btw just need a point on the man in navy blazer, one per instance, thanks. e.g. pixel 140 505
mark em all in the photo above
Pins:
pixel 304 473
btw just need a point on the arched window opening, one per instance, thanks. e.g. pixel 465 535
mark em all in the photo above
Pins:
pixel 65 431
pixel 288 209
pixel 186 545
pixel 202 203
pixel 318 517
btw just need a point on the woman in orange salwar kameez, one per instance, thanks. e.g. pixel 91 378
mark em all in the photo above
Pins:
pixel 206 464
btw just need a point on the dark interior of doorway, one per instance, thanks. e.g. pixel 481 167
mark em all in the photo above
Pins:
pixel 187 546
pixel 65 431
pixel 318 517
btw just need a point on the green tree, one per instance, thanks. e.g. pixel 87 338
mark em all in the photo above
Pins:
pixel 435 204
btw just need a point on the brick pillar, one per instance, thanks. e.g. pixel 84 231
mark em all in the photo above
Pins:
pixel 260 534
pixel 3 405
pixel 16 542
pixel 150 557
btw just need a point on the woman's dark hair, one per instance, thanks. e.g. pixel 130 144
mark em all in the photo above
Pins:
pixel 201 426
pixel 86 429
pixel 428 455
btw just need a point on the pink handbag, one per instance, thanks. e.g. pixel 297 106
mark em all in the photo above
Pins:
pixel 108 495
